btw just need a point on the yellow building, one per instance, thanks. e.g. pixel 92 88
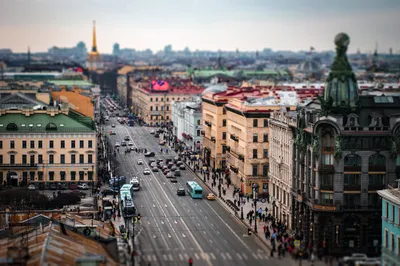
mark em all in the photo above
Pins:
pixel 47 145
pixel 76 100
pixel 152 102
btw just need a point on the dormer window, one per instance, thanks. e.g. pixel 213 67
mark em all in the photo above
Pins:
pixel 352 121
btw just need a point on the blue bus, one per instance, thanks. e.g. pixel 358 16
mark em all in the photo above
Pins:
pixel 131 123
pixel 194 190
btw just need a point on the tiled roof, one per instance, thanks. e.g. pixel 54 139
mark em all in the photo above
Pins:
pixel 38 122
pixel 125 70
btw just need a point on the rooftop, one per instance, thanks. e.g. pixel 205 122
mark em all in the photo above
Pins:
pixel 391 194
pixel 70 83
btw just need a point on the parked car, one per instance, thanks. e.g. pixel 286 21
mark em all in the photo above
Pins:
pixel 83 186
pixel 181 192
pixel 169 175
pixel 113 125
pixel 174 168
pixel 73 186
pixel 156 135
pixel 53 186
pixel 31 187
pixel 166 171
pixel 123 143
pixel 117 144
pixel 108 191
pixel 130 144
pixel 162 142
pixel 152 131
pixel 149 154
pixel 112 132
pixel 140 162
pixel 146 171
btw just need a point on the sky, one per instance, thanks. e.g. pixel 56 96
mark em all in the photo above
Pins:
pixel 200 24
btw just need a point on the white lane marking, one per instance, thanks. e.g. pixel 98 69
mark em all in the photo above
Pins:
pixel 180 256
pixel 165 205
pixel 229 256
pixel 206 217
pixel 211 241
pixel 169 236
pixel 188 210
pixel 201 210
pixel 154 236
pixel 213 256
pixel 141 206
pixel 154 258
pixel 198 224
pixel 170 257
pixel 162 221
pixel 175 221
pixel 148 222
pixel 183 235
pixel 240 257
pixel 255 256
pixel 244 256
pixel 174 208
pixel 149 257
pixel 195 204
pixel 218 232
pixel 212 225
pixel 204 232
pixel 205 256
pixel 154 205
pixel 165 257
pixel 223 256
pixel 196 256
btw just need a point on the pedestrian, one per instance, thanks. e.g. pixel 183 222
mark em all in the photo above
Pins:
pixel 265 228
pixel 114 215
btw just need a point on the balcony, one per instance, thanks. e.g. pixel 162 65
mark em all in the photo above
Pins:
pixel 85 166
pixel 234 169
pixel 376 168
pixel 241 157
pixel 207 123
pixel 18 166
pixel 328 168
pixel 203 133
pixel 328 149
pixel 326 187
pixel 234 138
pixel 227 148
pixel 213 139
pixel 354 168
pixel 354 187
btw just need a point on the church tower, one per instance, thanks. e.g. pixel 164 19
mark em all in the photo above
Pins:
pixel 93 61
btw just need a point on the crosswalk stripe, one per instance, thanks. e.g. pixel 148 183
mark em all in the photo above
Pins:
pixel 255 256
pixel 229 256
pixel 240 257
pixel 244 256
pixel 170 257
pixel 149 257
pixel 165 257
pixel 196 256
pixel 154 258
pixel 261 256
pixel 223 256
pixel 180 256
pixel 185 256
pixel 213 256
pixel 205 256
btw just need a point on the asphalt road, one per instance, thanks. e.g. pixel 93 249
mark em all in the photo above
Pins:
pixel 175 228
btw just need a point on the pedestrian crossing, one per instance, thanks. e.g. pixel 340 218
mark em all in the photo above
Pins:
pixel 206 256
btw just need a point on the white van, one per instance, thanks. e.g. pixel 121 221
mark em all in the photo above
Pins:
pixel 135 184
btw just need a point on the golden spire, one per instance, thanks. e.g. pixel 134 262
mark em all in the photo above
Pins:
pixel 94 43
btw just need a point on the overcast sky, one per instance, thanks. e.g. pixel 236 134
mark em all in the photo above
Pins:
pixel 200 24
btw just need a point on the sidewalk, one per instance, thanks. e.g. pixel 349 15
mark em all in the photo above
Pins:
pixel 247 207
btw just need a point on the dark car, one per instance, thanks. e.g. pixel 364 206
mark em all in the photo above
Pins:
pixel 73 186
pixel 53 187
pixel 41 186
pixel 177 173
pixel 108 191
pixel 173 180
pixel 178 163
pixel 154 169
pixel 156 135
pixel 149 154
pixel 181 192
pixel 174 168
pixel 182 167
pixel 160 160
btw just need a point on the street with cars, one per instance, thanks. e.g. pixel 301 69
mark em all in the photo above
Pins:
pixel 174 227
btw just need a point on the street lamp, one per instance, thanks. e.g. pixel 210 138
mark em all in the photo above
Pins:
pixel 255 187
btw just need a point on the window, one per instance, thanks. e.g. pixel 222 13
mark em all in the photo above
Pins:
pixel 156 108
pixel 51 158
pixel 198 132
pixel 376 179
pixel 254 170
pixel 51 144
pixel 73 175
pixel 255 122
pixel 32 144
pixel 327 198
pixel 265 122
pixel 156 99
pixel 90 144
pixel 73 158
pixel 90 158
pixel 167 108
pixel 254 153
pixel 224 135
pixel 12 144
pixel 351 179
pixel 1 158
pixel 40 158
pixel 62 175
pixel 327 180
pixel 1 144
pixel 386 244
pixel 265 137
pixel 167 117
pixel 352 200
pixel 198 122
pixel 51 176
pixel 90 175
pixel 40 144
pixel 162 108
pixel 265 153
pixel 373 200
pixel 255 137
pixel 81 175
pixel 24 144
pixel 81 144
pixel 32 159
pixel 151 99
pixel 393 212
pixel 151 108
pixel 81 158
pixel 12 159
pixel 398 245
pixel 162 99
pixel 387 210
pixel 224 122
pixel 265 170
pixel 62 158
pixel 24 159
pixel 32 175
pixel 40 176
pixel 73 144
pixel 167 99
pixel 62 144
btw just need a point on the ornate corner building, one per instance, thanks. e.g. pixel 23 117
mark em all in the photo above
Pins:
pixel 346 148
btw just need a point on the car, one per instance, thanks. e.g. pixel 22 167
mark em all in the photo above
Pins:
pixel 152 161
pixel 41 186
pixel 160 160
pixel 107 119
pixel 162 142
pixel 146 171
pixel 140 162
pixel 180 192
pixel 182 167
pixel 211 196
pixel 108 191
pixel 154 169
pixel 149 154
pixel 166 171
pixel 164 167
pixel 130 144
pixel 173 180
pixel 169 175
pixel 152 132
pixel 177 173
pixel 112 132
pixel 178 163
pixel 355 257
pixel 156 135
pixel 83 186
pixel 174 168
pixel 31 187
pixel 53 186
pixel 113 125
pixel 127 138
pixel 153 164
pixel 123 143
pixel 117 144
pixel 73 186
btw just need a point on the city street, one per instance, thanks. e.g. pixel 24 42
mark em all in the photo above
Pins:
pixel 175 228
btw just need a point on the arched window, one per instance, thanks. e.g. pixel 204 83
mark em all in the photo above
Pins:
pixel 51 126
pixel 328 143
pixel 377 162
pixel 12 126
pixel 352 160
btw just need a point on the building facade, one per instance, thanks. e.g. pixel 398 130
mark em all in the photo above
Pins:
pixel 282 126
pixel 187 123
pixel 390 226
pixel 345 150
pixel 50 146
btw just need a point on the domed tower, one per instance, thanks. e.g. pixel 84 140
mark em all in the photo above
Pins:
pixel 310 68
pixel 341 89
pixel 94 61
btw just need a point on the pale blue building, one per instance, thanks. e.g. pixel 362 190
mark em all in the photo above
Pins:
pixel 390 226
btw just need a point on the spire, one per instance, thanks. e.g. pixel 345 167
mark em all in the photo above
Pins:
pixel 94 43
pixel 29 54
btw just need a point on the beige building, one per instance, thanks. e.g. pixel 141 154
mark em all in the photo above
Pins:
pixel 281 157
pixel 47 145
pixel 152 103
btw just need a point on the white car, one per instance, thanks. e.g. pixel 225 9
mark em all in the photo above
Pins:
pixel 140 162
pixel 31 187
pixel 83 186
pixel 117 144
pixel 146 171
pixel 130 143
pixel 152 132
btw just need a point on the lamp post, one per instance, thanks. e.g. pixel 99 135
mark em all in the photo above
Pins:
pixel 255 187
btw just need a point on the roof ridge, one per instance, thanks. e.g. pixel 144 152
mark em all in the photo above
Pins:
pixel 45 245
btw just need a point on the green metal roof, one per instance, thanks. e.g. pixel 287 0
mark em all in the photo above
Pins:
pixel 70 83
pixel 41 123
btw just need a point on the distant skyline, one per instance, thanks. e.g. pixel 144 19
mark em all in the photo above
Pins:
pixel 247 25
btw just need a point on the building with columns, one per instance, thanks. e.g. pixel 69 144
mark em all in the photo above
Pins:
pixel 346 149
pixel 282 130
